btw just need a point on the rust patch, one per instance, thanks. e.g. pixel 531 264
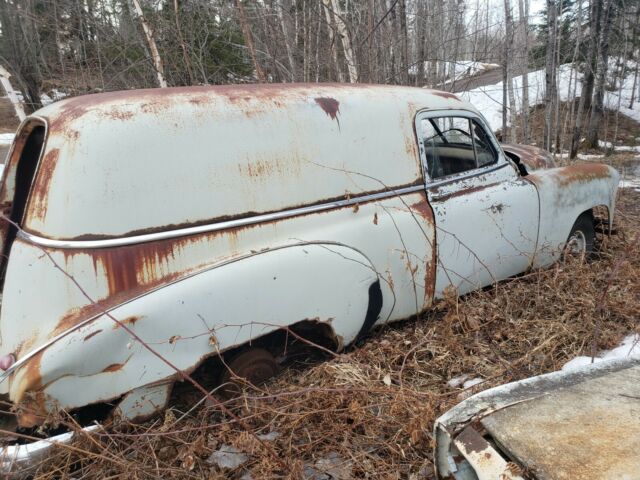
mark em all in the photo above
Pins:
pixel 114 367
pixel 330 106
pixel 29 394
pixel 423 208
pixel 38 199
pixel 466 191
pixel 92 334
pixel 531 156
pixel 582 173
pixel 472 440
pixel 447 95
pixel 129 321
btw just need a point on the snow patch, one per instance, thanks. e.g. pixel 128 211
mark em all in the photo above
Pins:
pixel 488 99
pixel 472 382
pixel 629 348
pixel 6 138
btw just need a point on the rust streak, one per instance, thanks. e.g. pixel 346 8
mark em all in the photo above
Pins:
pixel 114 367
pixel 92 334
pixel 38 200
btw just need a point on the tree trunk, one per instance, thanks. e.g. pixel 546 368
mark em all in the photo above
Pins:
pixel 289 38
pixel 153 48
pixel 345 38
pixel 508 77
pixel 12 93
pixel 404 48
pixel 601 75
pixel 332 39
pixel 523 10
pixel 248 40
pixel 550 74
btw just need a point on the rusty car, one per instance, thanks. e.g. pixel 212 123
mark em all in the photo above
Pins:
pixel 146 232
pixel 580 424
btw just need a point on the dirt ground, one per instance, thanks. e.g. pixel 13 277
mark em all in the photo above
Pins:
pixel 368 412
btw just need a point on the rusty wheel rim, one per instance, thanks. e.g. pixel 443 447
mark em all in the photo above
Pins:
pixel 252 367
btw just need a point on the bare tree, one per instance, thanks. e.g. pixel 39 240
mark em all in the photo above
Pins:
pixel 151 41
pixel 550 95
pixel 601 75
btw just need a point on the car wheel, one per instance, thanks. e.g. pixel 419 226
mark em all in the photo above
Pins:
pixel 582 239
pixel 253 366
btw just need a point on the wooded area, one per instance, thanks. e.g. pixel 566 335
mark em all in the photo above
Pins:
pixel 87 46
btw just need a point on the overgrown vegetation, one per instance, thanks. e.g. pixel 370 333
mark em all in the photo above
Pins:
pixel 369 412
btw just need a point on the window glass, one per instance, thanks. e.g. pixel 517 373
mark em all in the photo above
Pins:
pixel 454 145
pixel 485 151
pixel 448 144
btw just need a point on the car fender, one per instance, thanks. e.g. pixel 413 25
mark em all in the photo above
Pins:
pixel 564 193
pixel 191 319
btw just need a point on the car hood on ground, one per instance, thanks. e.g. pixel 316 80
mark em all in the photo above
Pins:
pixel 581 424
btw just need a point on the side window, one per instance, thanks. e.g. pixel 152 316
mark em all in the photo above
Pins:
pixel 485 151
pixel 448 144
pixel 454 145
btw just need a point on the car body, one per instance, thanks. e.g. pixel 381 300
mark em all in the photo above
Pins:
pixel 580 424
pixel 183 223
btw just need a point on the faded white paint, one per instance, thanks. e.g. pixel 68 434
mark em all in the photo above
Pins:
pixel 154 163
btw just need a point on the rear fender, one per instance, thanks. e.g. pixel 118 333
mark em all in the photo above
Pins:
pixel 200 316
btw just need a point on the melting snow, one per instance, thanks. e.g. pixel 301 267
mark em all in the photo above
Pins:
pixel 6 138
pixel 630 347
pixel 488 99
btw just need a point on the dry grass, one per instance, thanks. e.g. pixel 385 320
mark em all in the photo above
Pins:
pixel 372 408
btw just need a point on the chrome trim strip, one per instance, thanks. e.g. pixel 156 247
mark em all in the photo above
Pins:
pixel 213 227
pixel 471 174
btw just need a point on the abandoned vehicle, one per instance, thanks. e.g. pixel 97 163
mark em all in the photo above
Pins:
pixel 149 231
pixel 579 425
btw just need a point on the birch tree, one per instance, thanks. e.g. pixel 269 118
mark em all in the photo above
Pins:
pixel 151 42
pixel 550 94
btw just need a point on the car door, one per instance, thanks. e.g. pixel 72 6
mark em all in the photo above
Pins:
pixel 486 215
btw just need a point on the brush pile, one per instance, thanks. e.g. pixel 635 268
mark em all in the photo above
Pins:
pixel 369 412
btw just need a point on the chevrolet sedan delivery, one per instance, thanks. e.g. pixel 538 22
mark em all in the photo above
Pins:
pixel 192 223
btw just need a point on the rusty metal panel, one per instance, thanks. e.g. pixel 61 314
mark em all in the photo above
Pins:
pixel 587 431
pixel 234 150
pixel 565 193
pixel 486 229
pixel 609 383
pixel 534 158
pixel 390 240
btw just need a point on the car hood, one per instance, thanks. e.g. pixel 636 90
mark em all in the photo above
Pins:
pixel 581 424
pixel 534 158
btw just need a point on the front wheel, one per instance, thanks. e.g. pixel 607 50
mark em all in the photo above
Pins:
pixel 582 239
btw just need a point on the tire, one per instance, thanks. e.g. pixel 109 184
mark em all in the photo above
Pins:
pixel 255 366
pixel 582 239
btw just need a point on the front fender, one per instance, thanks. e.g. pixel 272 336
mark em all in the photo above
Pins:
pixel 191 319
pixel 564 193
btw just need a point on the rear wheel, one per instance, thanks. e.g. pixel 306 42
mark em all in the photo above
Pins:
pixel 253 366
pixel 582 239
